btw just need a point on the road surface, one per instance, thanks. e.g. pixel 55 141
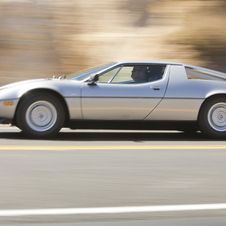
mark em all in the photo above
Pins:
pixel 98 177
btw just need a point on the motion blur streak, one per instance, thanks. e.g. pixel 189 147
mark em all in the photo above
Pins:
pixel 57 148
pixel 41 38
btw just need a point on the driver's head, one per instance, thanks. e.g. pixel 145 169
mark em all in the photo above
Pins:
pixel 139 73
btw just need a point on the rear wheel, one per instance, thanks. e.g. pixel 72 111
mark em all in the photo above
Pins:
pixel 212 118
pixel 40 115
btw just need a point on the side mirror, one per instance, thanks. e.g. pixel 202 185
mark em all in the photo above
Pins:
pixel 93 78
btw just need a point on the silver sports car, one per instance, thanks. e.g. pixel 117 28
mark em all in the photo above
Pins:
pixel 120 95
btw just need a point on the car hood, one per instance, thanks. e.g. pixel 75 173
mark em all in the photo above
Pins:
pixel 20 83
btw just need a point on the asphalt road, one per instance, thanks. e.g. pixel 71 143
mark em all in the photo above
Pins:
pixel 100 170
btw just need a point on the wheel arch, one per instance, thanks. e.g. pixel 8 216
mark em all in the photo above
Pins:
pixel 43 90
pixel 223 95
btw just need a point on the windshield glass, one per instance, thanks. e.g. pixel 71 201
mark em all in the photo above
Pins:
pixel 81 75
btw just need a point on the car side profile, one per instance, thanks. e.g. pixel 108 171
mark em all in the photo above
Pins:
pixel 120 95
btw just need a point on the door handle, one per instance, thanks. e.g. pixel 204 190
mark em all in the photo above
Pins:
pixel 155 87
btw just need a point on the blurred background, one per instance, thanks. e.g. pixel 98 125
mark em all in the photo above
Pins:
pixel 41 38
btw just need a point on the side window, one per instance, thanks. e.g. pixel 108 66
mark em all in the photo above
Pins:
pixel 124 75
pixel 155 72
pixel 139 74
pixel 108 75
pixel 194 73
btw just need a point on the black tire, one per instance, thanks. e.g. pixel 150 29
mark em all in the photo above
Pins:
pixel 212 118
pixel 40 115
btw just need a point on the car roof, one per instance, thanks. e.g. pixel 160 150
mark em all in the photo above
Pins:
pixel 187 66
pixel 148 62
pixel 192 67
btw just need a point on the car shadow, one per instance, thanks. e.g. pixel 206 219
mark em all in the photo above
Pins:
pixel 114 136
pixel 129 136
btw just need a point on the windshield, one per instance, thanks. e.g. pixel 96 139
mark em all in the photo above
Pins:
pixel 81 75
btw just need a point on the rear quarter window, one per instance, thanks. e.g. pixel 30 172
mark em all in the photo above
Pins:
pixel 196 74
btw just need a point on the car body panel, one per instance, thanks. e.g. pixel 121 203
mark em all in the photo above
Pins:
pixel 69 90
pixel 74 107
pixel 176 110
pixel 122 101
pixel 182 87
pixel 179 107
pixel 64 87
pixel 8 111
pixel 184 96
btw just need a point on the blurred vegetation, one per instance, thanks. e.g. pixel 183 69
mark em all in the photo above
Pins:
pixel 204 34
pixel 211 50
pixel 41 38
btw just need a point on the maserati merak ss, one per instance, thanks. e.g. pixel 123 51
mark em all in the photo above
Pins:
pixel 120 95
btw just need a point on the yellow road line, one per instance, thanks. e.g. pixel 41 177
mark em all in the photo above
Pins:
pixel 109 147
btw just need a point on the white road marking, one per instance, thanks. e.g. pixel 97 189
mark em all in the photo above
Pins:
pixel 111 210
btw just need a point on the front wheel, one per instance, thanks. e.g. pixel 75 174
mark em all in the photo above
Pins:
pixel 212 118
pixel 40 115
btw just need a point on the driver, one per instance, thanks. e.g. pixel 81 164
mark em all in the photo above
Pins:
pixel 139 74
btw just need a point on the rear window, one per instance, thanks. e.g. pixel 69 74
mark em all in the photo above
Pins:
pixel 192 73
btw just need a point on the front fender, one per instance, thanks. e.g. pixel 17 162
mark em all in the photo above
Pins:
pixel 12 93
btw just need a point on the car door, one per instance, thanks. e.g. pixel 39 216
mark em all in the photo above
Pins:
pixel 116 97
